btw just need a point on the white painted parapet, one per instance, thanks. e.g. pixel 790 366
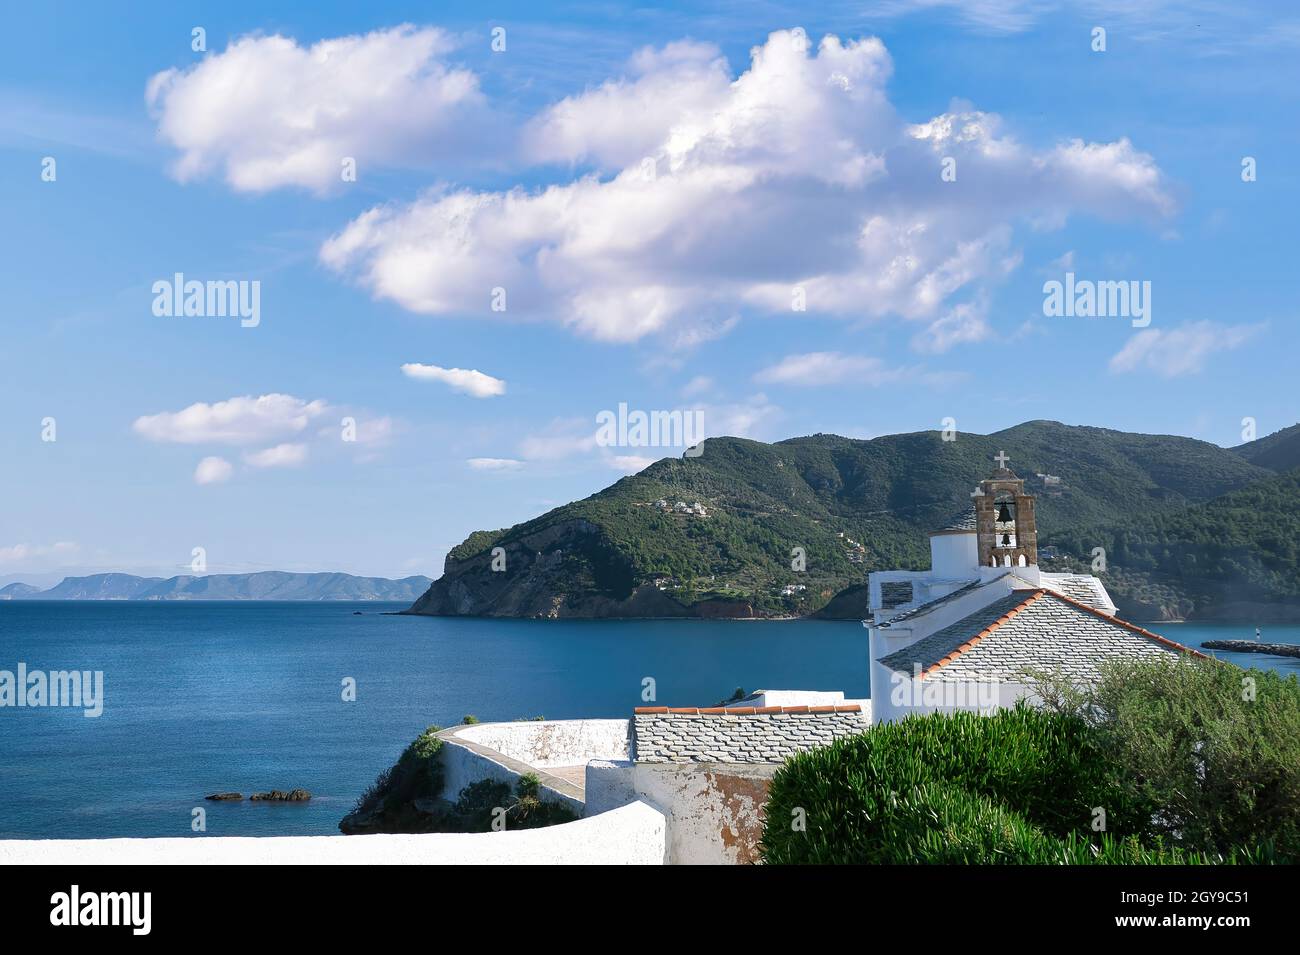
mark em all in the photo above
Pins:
pixel 550 743
pixel 634 834
pixel 506 751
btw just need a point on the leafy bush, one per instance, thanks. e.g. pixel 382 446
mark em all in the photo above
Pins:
pixel 1214 747
pixel 407 797
pixel 947 787
pixel 1192 762
pixel 477 807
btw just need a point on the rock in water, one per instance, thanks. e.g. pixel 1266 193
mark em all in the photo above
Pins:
pixel 225 797
pixel 279 795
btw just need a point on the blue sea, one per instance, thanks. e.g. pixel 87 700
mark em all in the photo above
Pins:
pixel 203 697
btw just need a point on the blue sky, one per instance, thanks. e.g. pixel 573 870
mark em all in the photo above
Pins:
pixel 814 167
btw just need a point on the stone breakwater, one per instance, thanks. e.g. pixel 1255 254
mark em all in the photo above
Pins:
pixel 1251 646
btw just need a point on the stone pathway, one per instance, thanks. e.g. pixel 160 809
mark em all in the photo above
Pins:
pixel 577 775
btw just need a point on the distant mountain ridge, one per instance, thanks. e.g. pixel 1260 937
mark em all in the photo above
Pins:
pixel 717 534
pixel 262 585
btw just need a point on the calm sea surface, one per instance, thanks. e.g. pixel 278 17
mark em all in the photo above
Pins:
pixel 207 697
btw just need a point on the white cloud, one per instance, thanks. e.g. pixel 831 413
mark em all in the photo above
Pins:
pixel 963 324
pixel 754 417
pixel 280 456
pixel 242 420
pixel 467 381
pixel 24 553
pixel 562 438
pixel 213 470
pixel 267 112
pixel 495 464
pixel 1182 350
pixel 798 173
pixel 631 463
pixel 699 385
pixel 816 369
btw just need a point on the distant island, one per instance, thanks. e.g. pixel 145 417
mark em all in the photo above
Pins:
pixel 263 585
pixel 1190 530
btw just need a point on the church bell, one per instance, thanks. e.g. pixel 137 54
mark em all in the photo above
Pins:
pixel 1004 515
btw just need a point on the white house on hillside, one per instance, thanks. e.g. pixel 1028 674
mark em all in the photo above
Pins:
pixel 964 634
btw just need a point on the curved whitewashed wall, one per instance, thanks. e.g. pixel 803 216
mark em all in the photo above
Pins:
pixel 505 751
pixel 634 834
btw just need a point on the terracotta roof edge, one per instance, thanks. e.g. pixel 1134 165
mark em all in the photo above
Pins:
pixel 1033 596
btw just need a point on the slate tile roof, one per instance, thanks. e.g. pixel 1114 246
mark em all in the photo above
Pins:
pixel 929 605
pixel 1029 629
pixel 895 593
pixel 964 521
pixel 1082 587
pixel 738 735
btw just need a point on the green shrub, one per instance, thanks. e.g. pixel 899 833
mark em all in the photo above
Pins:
pixel 1214 747
pixel 388 805
pixel 407 797
pixel 477 807
pixel 469 719
pixel 947 788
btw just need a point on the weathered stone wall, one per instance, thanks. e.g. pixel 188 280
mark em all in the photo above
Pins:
pixel 714 810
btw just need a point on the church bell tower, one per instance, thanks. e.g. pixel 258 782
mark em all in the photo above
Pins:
pixel 1004 520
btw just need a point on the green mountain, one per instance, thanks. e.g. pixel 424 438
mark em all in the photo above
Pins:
pixel 1279 451
pixel 263 585
pixel 716 535
pixel 1235 557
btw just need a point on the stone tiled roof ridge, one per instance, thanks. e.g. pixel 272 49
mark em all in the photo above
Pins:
pixel 743 710
pixel 1032 597
pixel 765 734
pixel 1111 618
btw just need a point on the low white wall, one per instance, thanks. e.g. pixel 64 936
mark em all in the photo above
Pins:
pixel 551 743
pixel 634 834
pixel 464 762
pixel 506 751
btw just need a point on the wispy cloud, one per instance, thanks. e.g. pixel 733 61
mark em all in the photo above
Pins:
pixel 469 381
pixel 289 455
pixel 495 464
pixel 1180 351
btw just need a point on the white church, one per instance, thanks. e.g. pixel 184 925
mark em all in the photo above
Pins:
pixel 968 633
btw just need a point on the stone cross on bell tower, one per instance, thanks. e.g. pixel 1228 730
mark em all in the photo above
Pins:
pixel 1007 535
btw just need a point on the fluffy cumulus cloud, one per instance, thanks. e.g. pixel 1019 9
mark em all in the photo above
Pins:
pixel 267 112
pixel 213 470
pixel 236 421
pixel 468 381
pixel 1184 350
pixel 795 183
